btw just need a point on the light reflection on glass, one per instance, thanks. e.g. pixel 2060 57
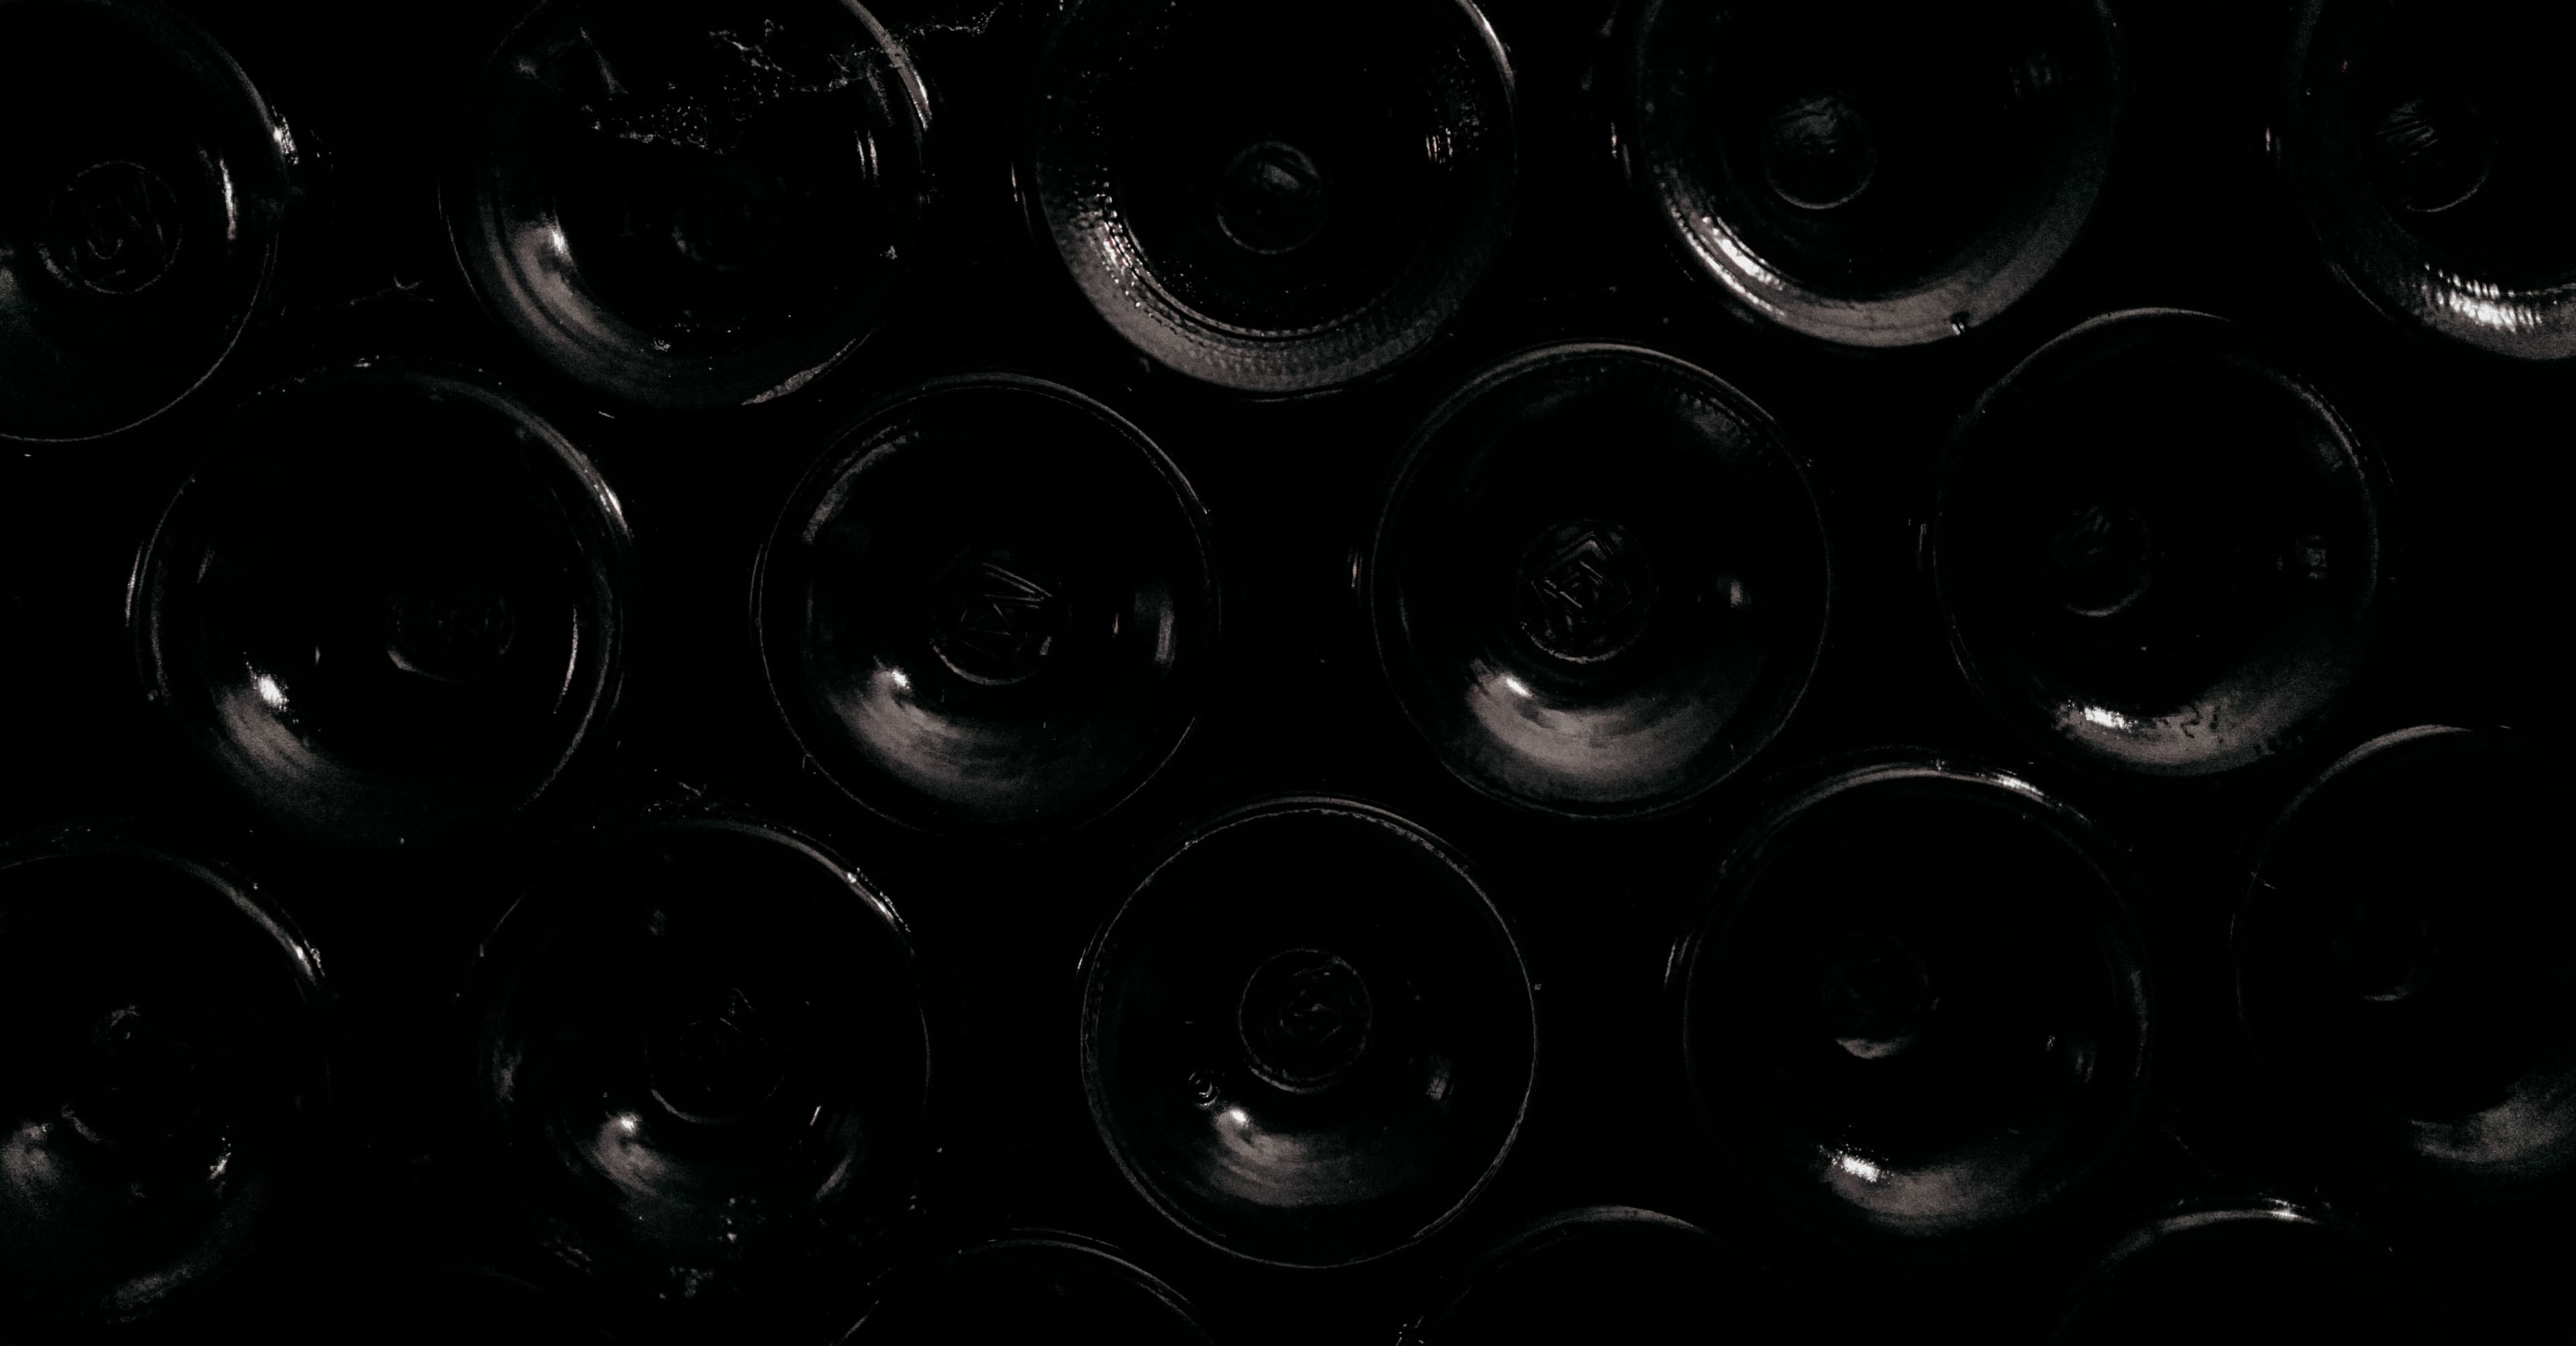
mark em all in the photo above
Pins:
pixel 1745 275
pixel 1585 751
pixel 2484 303
pixel 1857 1167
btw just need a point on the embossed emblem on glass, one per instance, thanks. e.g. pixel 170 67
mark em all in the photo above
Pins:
pixel 1305 1019
pixel 1875 990
pixel 997 615
pixel 452 630
pixel 1587 590
pixel 1271 198
pixel 2433 151
pixel 1818 151
pixel 138 1080
pixel 713 1055
pixel 114 229
pixel 2101 555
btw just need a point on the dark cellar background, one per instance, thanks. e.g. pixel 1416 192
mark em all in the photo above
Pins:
pixel 2193 219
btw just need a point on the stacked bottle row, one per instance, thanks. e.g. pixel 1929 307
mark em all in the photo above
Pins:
pixel 1599 581
pixel 713 209
pixel 1920 1010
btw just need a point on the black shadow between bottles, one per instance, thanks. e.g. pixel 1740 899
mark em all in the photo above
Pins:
pixel 387 606
pixel 2429 148
pixel 1598 581
pixel 702 1061
pixel 1027 1286
pixel 2403 973
pixel 1611 1273
pixel 2255 1272
pixel 441 1306
pixel 690 205
pixel 165 1076
pixel 1256 199
pixel 1869 173
pixel 2159 550
pixel 1917 1009
pixel 1308 1037
pixel 991 609
pixel 143 192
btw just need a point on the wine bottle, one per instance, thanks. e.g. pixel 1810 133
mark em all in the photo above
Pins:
pixel 1610 1273
pixel 164 1080
pixel 702 1059
pixel 2159 549
pixel 690 206
pixel 387 606
pixel 439 1306
pixel 142 196
pixel 1869 172
pixel 1308 1038
pixel 990 609
pixel 1273 200
pixel 2403 972
pixel 1598 581
pixel 2426 147
pixel 1027 1285
pixel 1917 1008
pixel 2250 1272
